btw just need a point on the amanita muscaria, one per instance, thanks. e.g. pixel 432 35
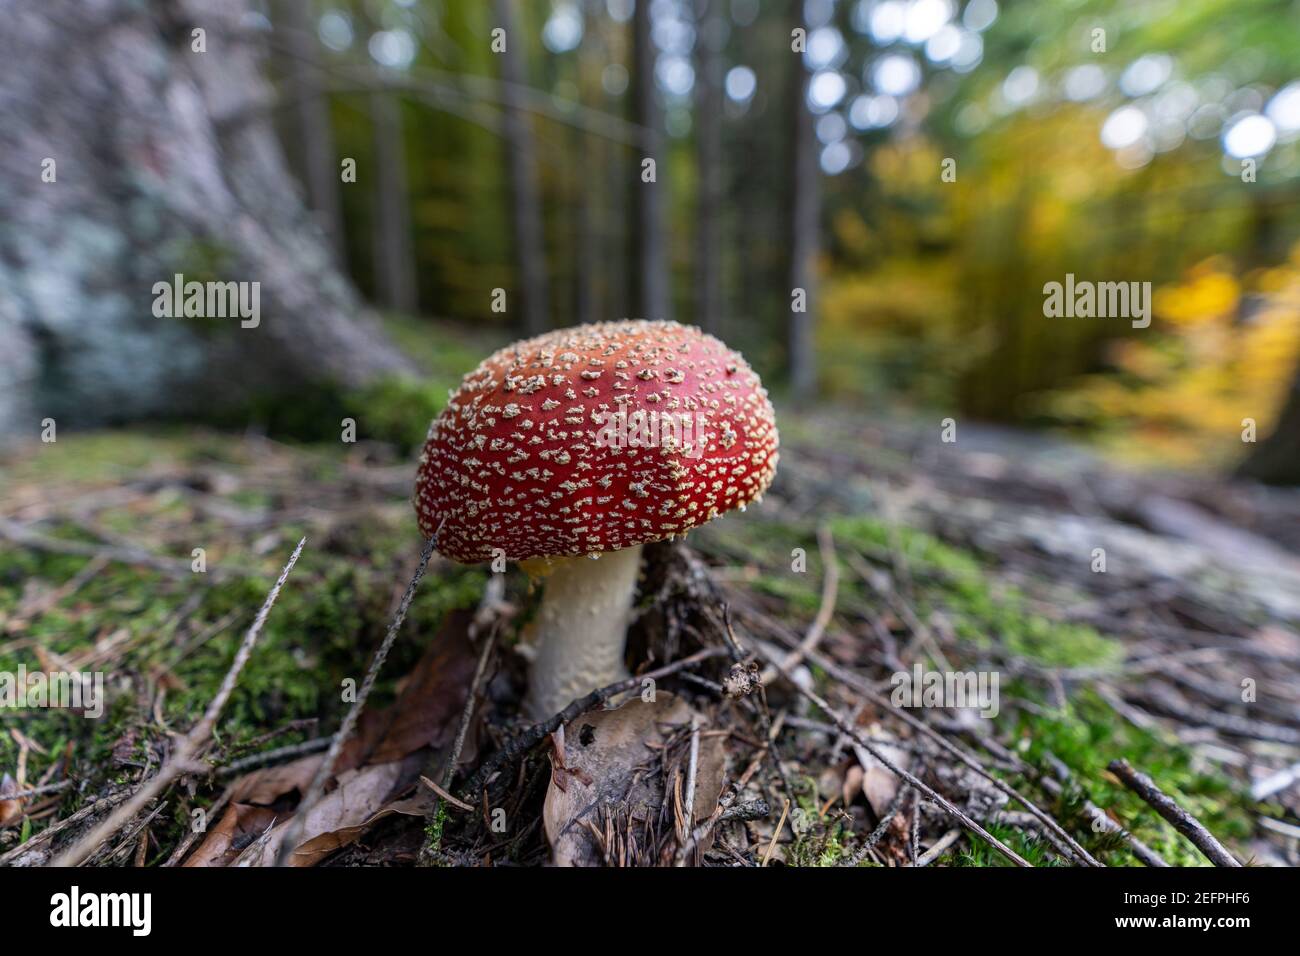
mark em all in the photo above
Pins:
pixel 587 443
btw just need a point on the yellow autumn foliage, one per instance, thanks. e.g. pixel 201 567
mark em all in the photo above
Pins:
pixel 1222 349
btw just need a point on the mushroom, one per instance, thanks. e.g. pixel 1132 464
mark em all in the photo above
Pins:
pixel 586 443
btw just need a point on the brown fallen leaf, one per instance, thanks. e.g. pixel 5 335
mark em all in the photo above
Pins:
pixel 268 785
pixel 337 820
pixel 383 756
pixel 10 810
pixel 880 785
pixel 241 825
pixel 852 785
pixel 604 796
pixel 432 697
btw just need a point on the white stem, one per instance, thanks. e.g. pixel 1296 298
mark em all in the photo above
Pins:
pixel 580 628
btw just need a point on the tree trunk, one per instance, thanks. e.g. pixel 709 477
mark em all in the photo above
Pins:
pixel 1276 459
pixel 394 256
pixel 315 153
pixel 588 182
pixel 712 34
pixel 804 225
pixel 653 294
pixel 164 164
pixel 530 258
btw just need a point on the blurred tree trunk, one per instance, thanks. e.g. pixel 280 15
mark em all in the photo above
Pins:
pixel 711 36
pixel 165 163
pixel 314 146
pixel 521 156
pixel 1276 459
pixel 650 273
pixel 804 223
pixel 394 256
pixel 589 174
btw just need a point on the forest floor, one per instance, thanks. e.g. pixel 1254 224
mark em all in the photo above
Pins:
pixel 880 549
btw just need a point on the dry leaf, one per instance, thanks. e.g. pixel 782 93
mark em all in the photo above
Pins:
pixel 879 784
pixel 10 810
pixel 267 785
pixel 431 701
pixel 335 821
pixel 241 825
pixel 384 756
pixel 599 774
pixel 852 783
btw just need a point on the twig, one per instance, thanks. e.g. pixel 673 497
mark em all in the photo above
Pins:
pixel 267 757
pixel 902 774
pixel 825 611
pixel 746 671
pixel 1055 785
pixel 1275 783
pixel 54 829
pixel 182 758
pixel 861 686
pixel 776 834
pixel 37 791
pixel 932 854
pixel 443 790
pixel 691 770
pixel 192 835
pixel 122 555
pixel 326 768
pixel 444 795
pixel 875 836
pixel 524 741
pixel 1167 807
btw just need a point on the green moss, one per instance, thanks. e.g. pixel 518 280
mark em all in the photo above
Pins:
pixel 818 841
pixel 977 852
pixel 182 634
pixel 1087 734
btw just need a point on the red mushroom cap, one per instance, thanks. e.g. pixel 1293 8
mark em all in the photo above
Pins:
pixel 531 454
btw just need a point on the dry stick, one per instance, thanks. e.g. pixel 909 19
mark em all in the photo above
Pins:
pixel 181 759
pixel 1055 785
pixel 740 656
pixel 826 610
pixel 490 610
pixel 692 769
pixel 267 757
pixel 139 557
pixel 192 837
pixel 860 685
pixel 776 834
pixel 852 733
pixel 54 829
pixel 443 791
pixel 317 787
pixel 37 791
pixel 1275 783
pixel 524 741
pixel 932 854
pixel 1165 805
pixel 875 836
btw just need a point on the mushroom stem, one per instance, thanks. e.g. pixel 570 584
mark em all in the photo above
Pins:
pixel 580 628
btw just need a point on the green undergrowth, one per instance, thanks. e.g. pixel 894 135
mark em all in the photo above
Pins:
pixel 996 624
pixel 173 636
pixel 394 410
